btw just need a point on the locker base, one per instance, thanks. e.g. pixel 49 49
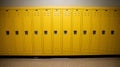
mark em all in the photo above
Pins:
pixel 70 56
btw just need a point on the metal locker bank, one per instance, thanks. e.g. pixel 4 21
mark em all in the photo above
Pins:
pixel 59 31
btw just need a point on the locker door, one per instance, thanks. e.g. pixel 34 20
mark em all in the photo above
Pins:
pixel 76 28
pixel 18 32
pixel 9 43
pixel 95 31
pixel 57 45
pixel 118 34
pixel 2 23
pixel 86 31
pixel 111 33
pixel 27 25
pixel 37 32
pixel 67 44
pixel 115 36
pixel 110 30
pixel 4 49
pixel 104 25
pixel 47 31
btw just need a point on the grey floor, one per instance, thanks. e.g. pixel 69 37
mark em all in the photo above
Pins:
pixel 63 62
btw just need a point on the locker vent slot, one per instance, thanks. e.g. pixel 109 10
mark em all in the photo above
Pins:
pixel 36 10
pixel 26 9
pixel 96 10
pixel 6 10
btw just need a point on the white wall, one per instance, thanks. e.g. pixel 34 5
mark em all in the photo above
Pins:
pixel 59 2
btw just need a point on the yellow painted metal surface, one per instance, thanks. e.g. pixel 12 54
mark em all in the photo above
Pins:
pixel 59 31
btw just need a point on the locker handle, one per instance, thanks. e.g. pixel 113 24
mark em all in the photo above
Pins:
pixel 65 32
pixel 55 32
pixel 7 32
pixel 26 32
pixel 35 32
pixel 84 32
pixel 75 32
pixel 103 32
pixel 45 32
pixel 94 32
pixel 112 32
pixel 16 32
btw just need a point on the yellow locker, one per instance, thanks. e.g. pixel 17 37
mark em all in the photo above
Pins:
pixel 2 16
pixel 56 31
pixel 47 31
pixel 66 22
pixel 18 32
pixel 118 27
pixel 59 31
pixel 111 33
pixel 37 32
pixel 76 31
pixel 104 27
pixel 4 47
pixel 9 43
pixel 27 27
pixel 95 31
pixel 115 33
pixel 86 32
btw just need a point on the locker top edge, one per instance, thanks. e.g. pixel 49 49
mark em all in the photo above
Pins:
pixel 60 7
